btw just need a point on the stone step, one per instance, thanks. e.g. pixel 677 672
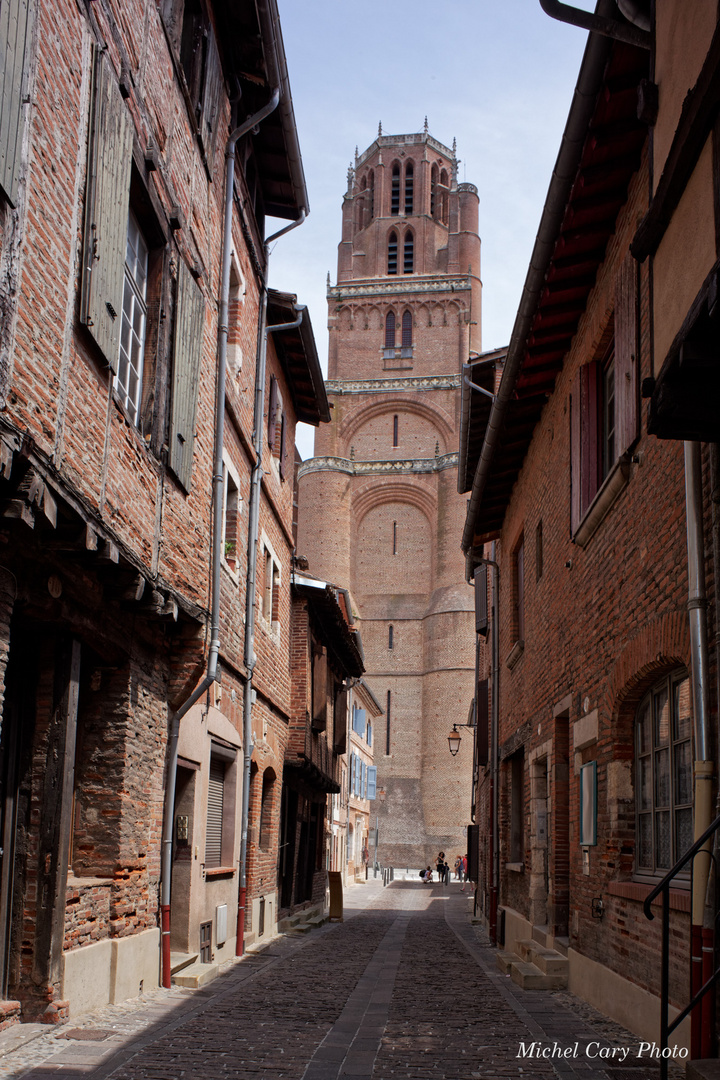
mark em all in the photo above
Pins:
pixel 547 960
pixel 196 975
pixel 504 960
pixel 530 977
pixel 180 960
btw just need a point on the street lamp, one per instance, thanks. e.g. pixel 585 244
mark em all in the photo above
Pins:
pixel 454 739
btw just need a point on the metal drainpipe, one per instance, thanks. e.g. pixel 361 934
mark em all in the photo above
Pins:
pixel 633 35
pixel 251 590
pixel 494 731
pixel 697 611
pixel 217 488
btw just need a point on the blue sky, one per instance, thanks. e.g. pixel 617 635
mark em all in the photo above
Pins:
pixel 497 76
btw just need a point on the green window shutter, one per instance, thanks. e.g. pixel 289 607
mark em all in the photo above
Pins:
pixel 106 213
pixel 15 39
pixel 189 320
pixel 210 103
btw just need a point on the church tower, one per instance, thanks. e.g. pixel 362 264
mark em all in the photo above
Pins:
pixel 379 510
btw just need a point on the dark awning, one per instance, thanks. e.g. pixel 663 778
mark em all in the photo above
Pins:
pixel 297 353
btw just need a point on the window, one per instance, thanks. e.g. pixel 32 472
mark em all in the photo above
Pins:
pixel 387 722
pixel 396 432
pixel 368 737
pixel 519 590
pixel 517 806
pixel 200 67
pixel 407 332
pixel 277 427
pixel 433 190
pixel 409 188
pixel 392 253
pixel 372 781
pixel 604 409
pixel 231 513
pixel 371 195
pixel 128 381
pixel 266 810
pixel 443 198
pixel 664 775
pixel 390 330
pixel 409 254
pixel 359 720
pixel 391 636
pixel 270 595
pixel 394 537
pixel 395 191
pixel 214 824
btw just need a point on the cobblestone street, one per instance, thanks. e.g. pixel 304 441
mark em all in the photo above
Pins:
pixel 406 986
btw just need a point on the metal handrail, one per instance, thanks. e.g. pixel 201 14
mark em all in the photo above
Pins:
pixel 663 887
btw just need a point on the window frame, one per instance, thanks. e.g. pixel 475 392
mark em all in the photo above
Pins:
pixel 392 253
pixel 669 683
pixel 133 337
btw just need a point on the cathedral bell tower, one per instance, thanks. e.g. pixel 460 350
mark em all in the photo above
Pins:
pixel 379 510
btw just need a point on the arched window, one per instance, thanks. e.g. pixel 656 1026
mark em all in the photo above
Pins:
pixel 406 330
pixel 396 430
pixel 395 191
pixel 371 195
pixel 409 254
pixel 443 208
pixel 390 330
pixel 392 253
pixel 433 190
pixel 664 775
pixel 390 637
pixel 409 188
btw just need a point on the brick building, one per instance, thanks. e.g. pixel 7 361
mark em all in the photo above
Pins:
pixel 113 124
pixel 589 532
pixel 326 657
pixel 378 510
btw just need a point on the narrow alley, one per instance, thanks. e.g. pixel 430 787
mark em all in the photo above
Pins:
pixel 406 986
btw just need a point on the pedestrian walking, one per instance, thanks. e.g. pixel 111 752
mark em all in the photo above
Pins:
pixel 446 874
pixel 463 871
pixel 458 867
pixel 440 863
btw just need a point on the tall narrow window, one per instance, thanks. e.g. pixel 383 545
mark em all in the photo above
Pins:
pixel 409 188
pixel 128 381
pixel 390 330
pixel 394 537
pixel 390 637
pixel 407 330
pixel 395 431
pixel 607 405
pixel 433 191
pixel 519 590
pixel 371 195
pixel 392 256
pixel 214 822
pixel 395 191
pixel 387 722
pixel 539 550
pixel 409 254
pixel 443 198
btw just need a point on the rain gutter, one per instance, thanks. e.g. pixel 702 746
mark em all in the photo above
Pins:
pixel 588 86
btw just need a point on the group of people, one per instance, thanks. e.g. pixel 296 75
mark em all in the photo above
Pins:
pixel 443 870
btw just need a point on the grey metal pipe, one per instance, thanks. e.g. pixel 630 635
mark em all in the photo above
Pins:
pixel 633 35
pixel 217 488
pixel 697 600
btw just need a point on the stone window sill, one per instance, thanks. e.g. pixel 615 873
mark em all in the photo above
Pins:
pixel 612 487
pixel 74 882
pixel 514 655
pixel 638 890
pixel 220 871
pixel 515 867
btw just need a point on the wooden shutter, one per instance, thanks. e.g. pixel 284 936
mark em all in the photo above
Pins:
pixel 272 412
pixel 319 690
pixel 283 446
pixel 363 780
pixel 372 781
pixel 16 18
pixel 589 433
pixel 210 103
pixel 626 366
pixel 106 212
pixel 213 831
pixel 189 320
pixel 340 722
pixel 481 721
pixel 575 489
pixel 481 606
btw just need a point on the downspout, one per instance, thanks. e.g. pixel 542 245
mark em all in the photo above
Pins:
pixel 697 613
pixel 621 31
pixel 494 733
pixel 251 590
pixel 217 488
